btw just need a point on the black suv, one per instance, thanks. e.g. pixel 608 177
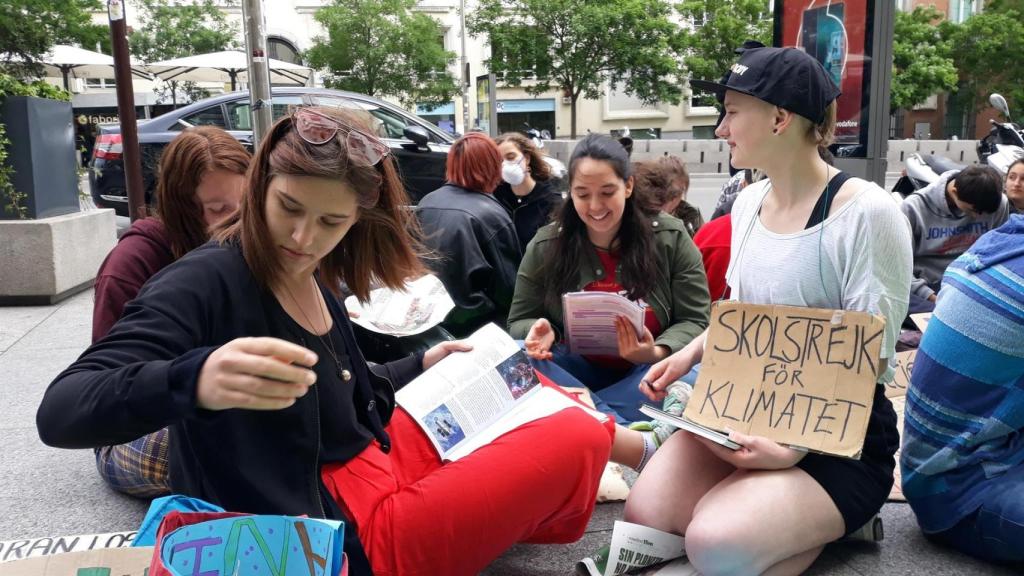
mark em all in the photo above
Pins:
pixel 420 147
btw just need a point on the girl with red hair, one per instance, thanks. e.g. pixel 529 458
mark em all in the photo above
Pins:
pixel 472 235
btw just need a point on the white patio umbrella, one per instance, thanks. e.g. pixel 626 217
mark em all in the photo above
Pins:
pixel 227 66
pixel 66 61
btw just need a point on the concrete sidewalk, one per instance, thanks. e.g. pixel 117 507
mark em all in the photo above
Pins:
pixel 50 492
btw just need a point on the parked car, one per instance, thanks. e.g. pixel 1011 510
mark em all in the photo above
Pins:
pixel 419 146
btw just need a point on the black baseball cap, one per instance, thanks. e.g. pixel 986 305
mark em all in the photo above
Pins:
pixel 786 77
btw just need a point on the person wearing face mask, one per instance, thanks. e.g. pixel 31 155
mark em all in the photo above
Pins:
pixel 201 178
pixel 525 190
pixel 1015 186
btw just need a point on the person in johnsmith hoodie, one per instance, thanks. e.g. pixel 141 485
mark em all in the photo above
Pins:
pixel 946 218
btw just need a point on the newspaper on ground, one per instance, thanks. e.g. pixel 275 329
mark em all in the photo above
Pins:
pixel 422 305
pixel 633 547
pixel 589 320
pixel 470 398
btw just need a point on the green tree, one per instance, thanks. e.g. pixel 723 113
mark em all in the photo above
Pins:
pixel 384 48
pixel 987 53
pixel 719 27
pixel 922 62
pixel 28 28
pixel 1005 6
pixel 180 29
pixel 582 46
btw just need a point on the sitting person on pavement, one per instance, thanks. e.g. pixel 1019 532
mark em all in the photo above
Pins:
pixel 663 184
pixel 201 177
pixel 962 457
pixel 1015 186
pixel 525 190
pixel 472 236
pixel 807 236
pixel 602 240
pixel 946 217
pixel 244 349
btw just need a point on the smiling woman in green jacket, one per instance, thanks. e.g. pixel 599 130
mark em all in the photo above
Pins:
pixel 603 241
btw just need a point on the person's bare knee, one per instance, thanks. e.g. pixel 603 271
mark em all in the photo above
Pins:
pixel 716 547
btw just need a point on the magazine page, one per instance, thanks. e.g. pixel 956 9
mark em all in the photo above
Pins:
pixel 589 320
pixel 690 426
pixel 422 305
pixel 634 546
pixel 465 392
pixel 544 401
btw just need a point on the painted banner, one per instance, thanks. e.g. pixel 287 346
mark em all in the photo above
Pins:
pixel 255 546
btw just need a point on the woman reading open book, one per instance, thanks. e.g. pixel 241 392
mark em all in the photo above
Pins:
pixel 603 241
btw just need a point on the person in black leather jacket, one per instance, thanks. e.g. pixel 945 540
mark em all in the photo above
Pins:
pixel 245 351
pixel 472 236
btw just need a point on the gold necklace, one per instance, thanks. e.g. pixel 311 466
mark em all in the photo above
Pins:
pixel 345 375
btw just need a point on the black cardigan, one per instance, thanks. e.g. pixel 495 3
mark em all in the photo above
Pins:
pixel 143 375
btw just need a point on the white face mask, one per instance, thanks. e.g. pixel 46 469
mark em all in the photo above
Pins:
pixel 512 172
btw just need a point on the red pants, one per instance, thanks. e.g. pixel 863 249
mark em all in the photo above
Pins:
pixel 414 515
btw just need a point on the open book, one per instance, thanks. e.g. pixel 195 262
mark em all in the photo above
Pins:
pixel 690 426
pixel 470 398
pixel 589 320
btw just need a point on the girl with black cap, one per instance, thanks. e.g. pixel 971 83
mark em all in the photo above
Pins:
pixel 805 236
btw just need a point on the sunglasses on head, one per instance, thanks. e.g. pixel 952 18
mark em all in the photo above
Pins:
pixel 318 129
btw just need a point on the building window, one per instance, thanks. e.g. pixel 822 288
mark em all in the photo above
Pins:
pixel 532 60
pixel 619 105
pixel 960 10
pixel 100 83
pixel 281 49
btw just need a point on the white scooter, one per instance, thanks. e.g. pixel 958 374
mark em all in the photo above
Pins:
pixel 1004 143
pixel 1001 147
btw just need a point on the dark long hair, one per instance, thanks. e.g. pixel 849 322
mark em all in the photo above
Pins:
pixel 638 256
pixel 382 246
pixel 187 159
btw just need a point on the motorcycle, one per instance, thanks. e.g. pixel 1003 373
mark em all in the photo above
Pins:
pixel 1004 143
pixel 922 170
pixel 1001 147
pixel 537 136
pixel 558 170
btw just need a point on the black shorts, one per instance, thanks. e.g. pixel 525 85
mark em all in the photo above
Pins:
pixel 859 488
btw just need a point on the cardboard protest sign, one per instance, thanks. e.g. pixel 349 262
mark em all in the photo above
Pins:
pixel 799 376
pixel 102 562
pixel 46 546
pixel 899 405
pixel 253 546
pixel 921 320
pixel 901 378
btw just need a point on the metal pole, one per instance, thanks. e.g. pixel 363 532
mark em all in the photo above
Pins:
pixel 259 69
pixel 881 84
pixel 126 111
pixel 464 68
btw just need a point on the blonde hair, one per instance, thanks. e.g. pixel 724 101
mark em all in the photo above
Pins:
pixel 824 133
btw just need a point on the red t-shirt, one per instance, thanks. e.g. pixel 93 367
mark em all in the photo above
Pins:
pixel 713 240
pixel 609 283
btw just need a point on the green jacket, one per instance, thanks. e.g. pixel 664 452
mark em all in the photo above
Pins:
pixel 680 297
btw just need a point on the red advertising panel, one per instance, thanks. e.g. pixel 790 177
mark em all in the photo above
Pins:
pixel 838 34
